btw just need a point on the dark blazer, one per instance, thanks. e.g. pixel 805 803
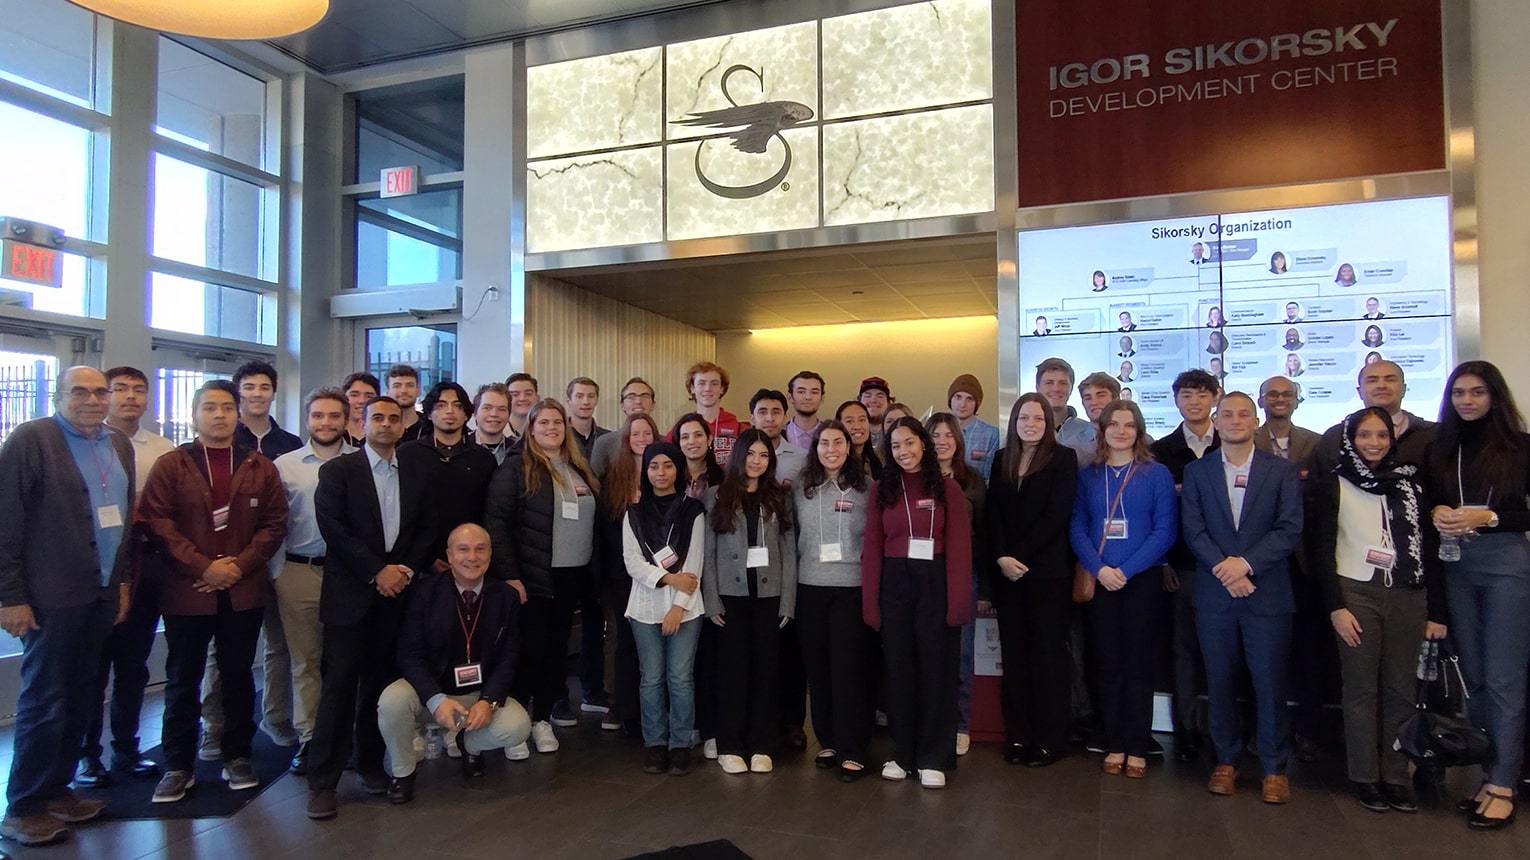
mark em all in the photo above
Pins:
pixel 350 518
pixel 1030 522
pixel 1174 452
pixel 48 554
pixel 457 487
pixel 425 639
pixel 1270 527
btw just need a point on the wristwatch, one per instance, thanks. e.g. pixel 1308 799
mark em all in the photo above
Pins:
pixel 1492 522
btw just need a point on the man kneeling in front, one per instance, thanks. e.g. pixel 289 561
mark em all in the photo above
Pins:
pixel 457 653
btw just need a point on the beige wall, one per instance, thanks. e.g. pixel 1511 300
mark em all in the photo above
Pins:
pixel 918 359
pixel 571 332
pixel 1500 32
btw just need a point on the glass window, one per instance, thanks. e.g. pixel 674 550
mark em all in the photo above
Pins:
pixel 177 388
pixel 207 219
pixel 420 123
pixel 47 173
pixel 73 298
pixel 194 307
pixel 409 240
pixel 208 105
pixel 431 349
pixel 26 389
pixel 48 46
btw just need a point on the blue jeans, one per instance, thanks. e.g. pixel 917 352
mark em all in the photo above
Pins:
pixel 1489 599
pixel 968 666
pixel 667 660
pixel 59 665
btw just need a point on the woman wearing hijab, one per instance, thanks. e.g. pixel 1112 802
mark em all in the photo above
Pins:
pixel 663 545
pixel 1377 560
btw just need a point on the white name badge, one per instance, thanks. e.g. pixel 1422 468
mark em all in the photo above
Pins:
pixel 109 517
pixel 1380 557
pixel 1115 529
pixel 664 556
pixel 759 556
pixel 468 674
pixel 921 548
pixel 1240 481
pixel 220 518
pixel 571 510
pixel 829 552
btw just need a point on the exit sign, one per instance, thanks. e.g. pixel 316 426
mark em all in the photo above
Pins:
pixel 32 264
pixel 400 181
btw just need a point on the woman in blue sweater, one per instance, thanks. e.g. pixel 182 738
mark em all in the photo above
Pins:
pixel 1125 517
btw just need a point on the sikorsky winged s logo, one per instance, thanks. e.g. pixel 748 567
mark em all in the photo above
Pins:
pixel 753 125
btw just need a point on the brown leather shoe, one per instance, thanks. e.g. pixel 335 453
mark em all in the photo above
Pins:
pixel 1277 789
pixel 74 810
pixel 1224 780
pixel 1112 768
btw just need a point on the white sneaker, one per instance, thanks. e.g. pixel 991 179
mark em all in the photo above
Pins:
pixel 963 743
pixel 452 751
pixel 542 735
pixel 891 771
pixel 932 778
pixel 519 752
pixel 732 764
pixel 761 763
pixel 709 749
pixel 610 722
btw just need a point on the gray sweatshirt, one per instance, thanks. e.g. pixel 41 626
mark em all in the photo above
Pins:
pixel 831 516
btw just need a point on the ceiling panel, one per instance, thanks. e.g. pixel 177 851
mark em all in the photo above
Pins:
pixel 924 279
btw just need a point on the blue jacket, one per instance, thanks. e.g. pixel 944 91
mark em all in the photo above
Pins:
pixel 1269 529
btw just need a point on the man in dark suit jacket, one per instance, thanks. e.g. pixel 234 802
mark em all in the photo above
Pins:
pixel 1195 395
pixel 1380 383
pixel 373 510
pixel 457 651
pixel 1241 513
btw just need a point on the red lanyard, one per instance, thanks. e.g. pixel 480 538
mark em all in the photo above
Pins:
pixel 95 454
pixel 477 616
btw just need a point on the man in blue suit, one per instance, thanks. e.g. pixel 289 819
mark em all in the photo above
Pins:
pixel 1242 517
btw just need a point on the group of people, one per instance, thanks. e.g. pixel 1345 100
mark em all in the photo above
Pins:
pixel 409 568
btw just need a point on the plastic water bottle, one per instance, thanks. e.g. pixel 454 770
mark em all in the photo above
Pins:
pixel 434 745
pixel 1450 548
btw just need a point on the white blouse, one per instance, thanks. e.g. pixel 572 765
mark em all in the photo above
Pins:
pixel 648 602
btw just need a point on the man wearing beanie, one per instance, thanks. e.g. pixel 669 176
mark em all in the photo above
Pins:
pixel 965 397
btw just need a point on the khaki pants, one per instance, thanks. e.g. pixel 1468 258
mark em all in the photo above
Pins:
pixel 297 598
pixel 400 714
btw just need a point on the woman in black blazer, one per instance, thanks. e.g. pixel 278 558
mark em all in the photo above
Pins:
pixel 1030 499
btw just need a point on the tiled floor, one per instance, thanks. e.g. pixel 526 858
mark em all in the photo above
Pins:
pixel 591 800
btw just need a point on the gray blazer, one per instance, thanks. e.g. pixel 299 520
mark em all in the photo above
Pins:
pixel 727 555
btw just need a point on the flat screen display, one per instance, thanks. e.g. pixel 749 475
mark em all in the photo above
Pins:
pixel 1311 293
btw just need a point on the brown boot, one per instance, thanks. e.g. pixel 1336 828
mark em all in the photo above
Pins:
pixel 1277 789
pixel 74 810
pixel 1224 780
pixel 39 829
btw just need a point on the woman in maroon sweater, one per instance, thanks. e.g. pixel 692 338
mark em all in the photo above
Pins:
pixel 916 589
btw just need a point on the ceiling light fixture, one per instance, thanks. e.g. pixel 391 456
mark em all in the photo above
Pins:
pixel 215 19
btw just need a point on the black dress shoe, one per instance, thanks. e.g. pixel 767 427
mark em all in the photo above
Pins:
pixel 847 774
pixel 374 783
pixel 1370 796
pixel 401 789
pixel 300 760
pixel 472 765
pixel 141 766
pixel 1041 757
pixel 1015 754
pixel 92 773
pixel 1308 751
pixel 1400 797
pixel 824 762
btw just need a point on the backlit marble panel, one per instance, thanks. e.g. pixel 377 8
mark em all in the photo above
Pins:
pixel 696 212
pixel 595 103
pixel 915 166
pixel 786 59
pixel 920 55
pixel 593 201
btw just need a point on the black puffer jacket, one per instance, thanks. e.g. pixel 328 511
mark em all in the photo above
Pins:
pixel 520 527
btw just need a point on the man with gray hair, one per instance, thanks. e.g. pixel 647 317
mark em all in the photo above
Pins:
pixel 67 490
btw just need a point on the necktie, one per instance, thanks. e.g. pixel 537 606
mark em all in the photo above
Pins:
pixel 469 604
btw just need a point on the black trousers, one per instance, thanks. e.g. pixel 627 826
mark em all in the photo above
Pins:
pixel 794 681
pixel 706 680
pixel 748 676
pixel 541 669
pixel 921 657
pixel 1190 722
pixel 358 663
pixel 235 635
pixel 1125 628
pixel 624 702
pixel 126 659
pixel 1034 617
pixel 592 638
pixel 1314 657
pixel 836 654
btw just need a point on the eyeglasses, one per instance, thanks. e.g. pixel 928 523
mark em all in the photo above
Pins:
pixel 633 396
pixel 80 392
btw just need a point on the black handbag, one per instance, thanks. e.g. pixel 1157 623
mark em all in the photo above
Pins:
pixel 1440 734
